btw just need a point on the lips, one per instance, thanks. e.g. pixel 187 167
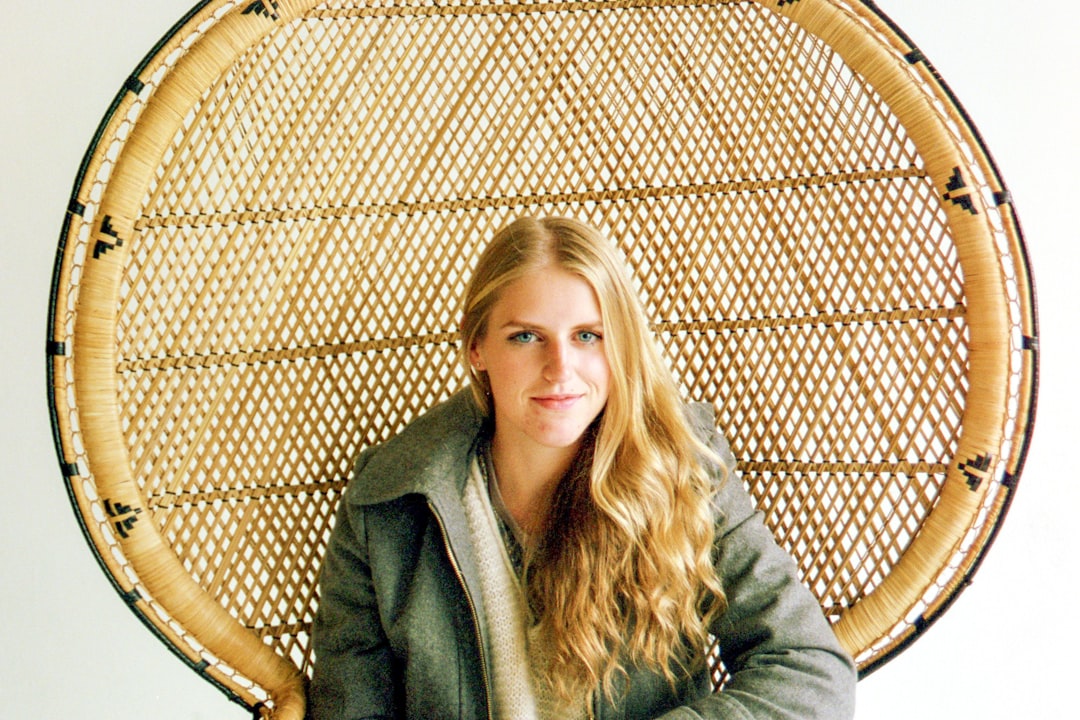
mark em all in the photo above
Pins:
pixel 556 402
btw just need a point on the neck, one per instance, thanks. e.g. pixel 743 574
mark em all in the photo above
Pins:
pixel 528 478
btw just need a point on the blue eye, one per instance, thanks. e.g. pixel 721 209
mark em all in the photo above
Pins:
pixel 589 337
pixel 523 337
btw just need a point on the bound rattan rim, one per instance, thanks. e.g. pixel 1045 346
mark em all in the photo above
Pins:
pixel 1012 465
pixel 870 43
pixel 237 27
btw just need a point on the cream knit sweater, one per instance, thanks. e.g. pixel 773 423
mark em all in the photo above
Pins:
pixel 518 692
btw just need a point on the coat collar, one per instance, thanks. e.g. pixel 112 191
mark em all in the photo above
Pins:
pixel 429 457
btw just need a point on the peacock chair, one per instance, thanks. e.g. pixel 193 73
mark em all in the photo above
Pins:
pixel 259 268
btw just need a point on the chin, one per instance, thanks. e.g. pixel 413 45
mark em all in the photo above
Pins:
pixel 561 440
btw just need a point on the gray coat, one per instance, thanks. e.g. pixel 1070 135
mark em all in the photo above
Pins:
pixel 400 629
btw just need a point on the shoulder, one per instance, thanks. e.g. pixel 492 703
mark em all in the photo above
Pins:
pixel 732 505
pixel 702 419
pixel 427 455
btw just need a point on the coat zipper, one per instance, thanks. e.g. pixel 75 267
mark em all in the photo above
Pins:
pixel 472 606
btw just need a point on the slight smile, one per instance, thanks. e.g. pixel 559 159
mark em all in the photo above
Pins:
pixel 557 402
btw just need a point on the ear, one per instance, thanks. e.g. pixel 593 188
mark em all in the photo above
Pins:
pixel 476 359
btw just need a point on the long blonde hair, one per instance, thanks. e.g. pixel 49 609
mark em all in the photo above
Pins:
pixel 624 574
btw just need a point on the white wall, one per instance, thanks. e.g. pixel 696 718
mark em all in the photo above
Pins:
pixel 71 648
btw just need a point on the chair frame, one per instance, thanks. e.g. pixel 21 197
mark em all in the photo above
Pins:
pixel 102 223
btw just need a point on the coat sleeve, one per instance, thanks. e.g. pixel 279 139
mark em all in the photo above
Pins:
pixel 352 675
pixel 782 656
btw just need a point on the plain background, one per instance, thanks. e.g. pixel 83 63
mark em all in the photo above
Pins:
pixel 70 647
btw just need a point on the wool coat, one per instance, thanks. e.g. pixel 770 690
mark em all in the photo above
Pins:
pixel 400 630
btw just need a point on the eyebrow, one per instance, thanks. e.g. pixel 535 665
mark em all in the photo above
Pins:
pixel 525 325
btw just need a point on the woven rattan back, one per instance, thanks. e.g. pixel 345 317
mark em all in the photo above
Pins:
pixel 259 271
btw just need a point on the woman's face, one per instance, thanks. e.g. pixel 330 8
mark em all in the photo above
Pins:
pixel 543 352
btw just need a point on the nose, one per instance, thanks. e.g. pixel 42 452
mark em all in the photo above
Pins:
pixel 558 362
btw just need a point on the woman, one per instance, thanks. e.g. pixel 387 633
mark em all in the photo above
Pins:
pixel 562 541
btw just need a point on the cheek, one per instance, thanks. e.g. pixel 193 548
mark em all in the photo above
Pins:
pixel 505 371
pixel 598 367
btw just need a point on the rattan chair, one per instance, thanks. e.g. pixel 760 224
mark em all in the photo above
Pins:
pixel 258 273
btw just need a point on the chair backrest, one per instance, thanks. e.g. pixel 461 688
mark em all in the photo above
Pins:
pixel 259 270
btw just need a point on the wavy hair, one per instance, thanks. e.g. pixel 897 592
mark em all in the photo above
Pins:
pixel 623 573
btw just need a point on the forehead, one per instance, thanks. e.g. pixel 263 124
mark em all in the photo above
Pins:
pixel 548 295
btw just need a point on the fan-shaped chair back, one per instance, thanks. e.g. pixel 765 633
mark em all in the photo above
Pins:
pixel 259 271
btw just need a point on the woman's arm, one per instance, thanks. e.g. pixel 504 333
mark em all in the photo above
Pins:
pixel 352 676
pixel 782 656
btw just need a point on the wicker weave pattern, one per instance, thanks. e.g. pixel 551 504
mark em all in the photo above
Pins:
pixel 259 277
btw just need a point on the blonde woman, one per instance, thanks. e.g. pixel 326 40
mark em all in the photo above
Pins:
pixel 563 540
